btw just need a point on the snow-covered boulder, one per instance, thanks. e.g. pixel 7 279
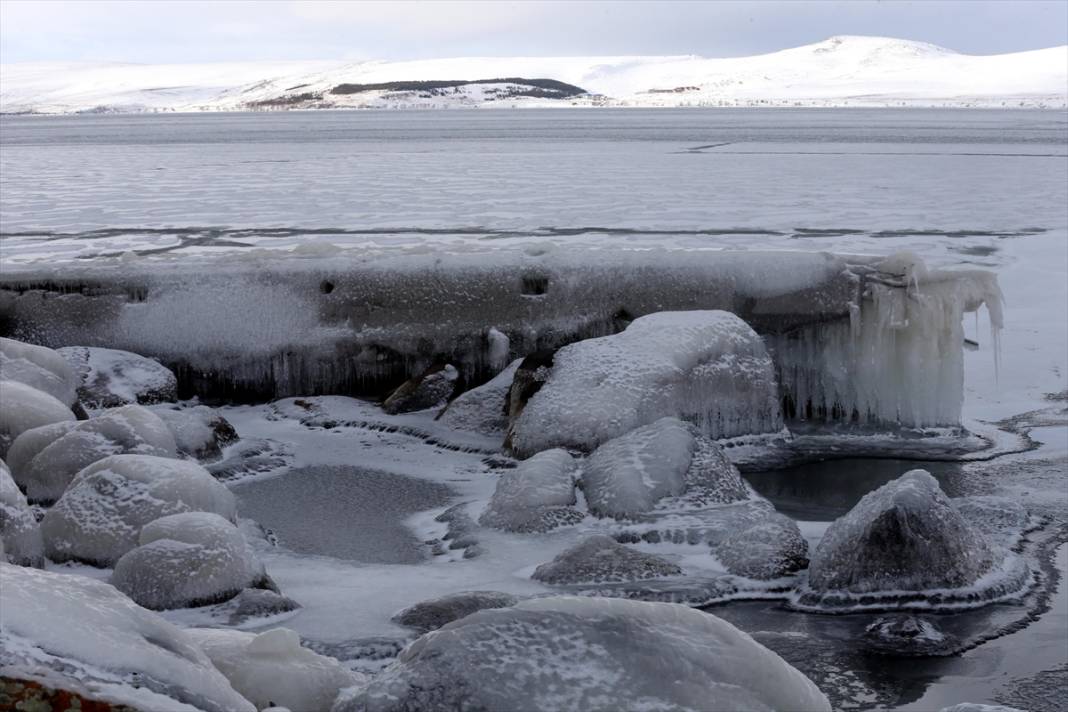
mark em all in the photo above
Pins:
pixel 430 389
pixel 20 535
pixel 904 536
pixel 108 377
pixel 601 559
pixel 706 367
pixel 24 407
pixel 199 432
pixel 76 633
pixel 536 496
pixel 186 560
pixel 44 460
pixel 100 516
pixel 39 367
pixel 569 653
pixel 766 550
pixel 431 615
pixel 272 669
pixel 482 409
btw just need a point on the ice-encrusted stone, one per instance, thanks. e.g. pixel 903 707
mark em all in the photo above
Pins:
pixel 24 407
pixel 482 409
pixel 536 496
pixel 629 474
pixel 20 535
pixel 109 378
pixel 433 614
pixel 430 389
pixel 273 669
pixel 258 603
pixel 185 560
pixel 904 634
pixel 44 460
pixel 766 550
pixel 601 559
pixel 199 431
pixel 39 367
pixel 904 536
pixel 88 636
pixel 1000 519
pixel 569 653
pixel 100 516
pixel 706 367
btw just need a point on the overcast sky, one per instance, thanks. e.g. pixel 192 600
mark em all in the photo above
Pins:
pixel 194 31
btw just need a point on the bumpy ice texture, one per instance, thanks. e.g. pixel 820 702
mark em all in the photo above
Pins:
pixel 109 377
pixel 766 550
pixel 536 496
pixel 39 367
pixel 44 460
pixel 100 516
pixel 601 559
pixel 566 653
pixel 82 632
pixel 431 615
pixel 706 367
pixel 199 432
pixel 24 407
pixel 187 559
pixel 482 409
pixel 273 669
pixel 20 534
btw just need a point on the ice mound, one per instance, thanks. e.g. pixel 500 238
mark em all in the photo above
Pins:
pixel 257 603
pixel 20 535
pixel 72 632
pixel 568 653
pixel 23 407
pixel 482 409
pixel 536 496
pixel 187 560
pixel 902 541
pixel 272 669
pixel 430 389
pixel 39 367
pixel 706 367
pixel 44 460
pixel 199 432
pixel 109 377
pixel 601 559
pixel 767 550
pixel 430 615
pixel 904 634
pixel 100 516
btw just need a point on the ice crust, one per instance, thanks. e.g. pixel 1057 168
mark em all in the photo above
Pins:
pixel 706 367
pixel 601 559
pixel 24 407
pixel 100 516
pixel 20 535
pixel 89 636
pixel 537 495
pixel 272 669
pixel 566 653
pixel 110 377
pixel 766 550
pixel 39 367
pixel 187 559
pixel 44 460
pixel 430 615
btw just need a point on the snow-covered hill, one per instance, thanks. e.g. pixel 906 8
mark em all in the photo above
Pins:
pixel 840 71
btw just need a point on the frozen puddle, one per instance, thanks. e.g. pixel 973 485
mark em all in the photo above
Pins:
pixel 342 511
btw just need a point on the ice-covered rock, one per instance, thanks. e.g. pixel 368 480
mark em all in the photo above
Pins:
pixel 24 407
pixel 44 460
pixel 567 653
pixel 905 634
pixel 706 367
pixel 258 603
pixel 904 536
pixel 100 516
pixel 430 389
pixel 766 550
pixel 272 669
pixel 81 634
pixel 186 560
pixel 482 409
pixel 712 478
pixel 601 559
pixel 39 367
pixel 433 614
pixel 536 496
pixel 199 431
pixel 109 377
pixel 20 535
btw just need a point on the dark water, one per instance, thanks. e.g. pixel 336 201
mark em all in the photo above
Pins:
pixel 344 512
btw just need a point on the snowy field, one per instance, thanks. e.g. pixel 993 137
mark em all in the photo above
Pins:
pixel 116 199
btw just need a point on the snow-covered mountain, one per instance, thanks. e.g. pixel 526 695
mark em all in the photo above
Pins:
pixel 840 71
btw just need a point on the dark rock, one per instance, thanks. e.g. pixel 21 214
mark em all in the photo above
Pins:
pixel 259 603
pixel 432 614
pixel 430 389
pixel 907 635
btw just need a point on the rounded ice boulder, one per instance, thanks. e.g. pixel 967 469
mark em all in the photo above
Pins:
pixel 24 407
pixel 20 534
pixel 108 378
pixel 39 367
pixel 570 653
pixel 187 560
pixel 100 516
pixel 44 460
pixel 431 615
pixel 601 559
pixel 766 550
pixel 536 496
pixel 199 432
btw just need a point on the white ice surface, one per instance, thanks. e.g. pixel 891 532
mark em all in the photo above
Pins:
pixel 20 535
pixel 24 407
pixel 111 377
pixel 40 367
